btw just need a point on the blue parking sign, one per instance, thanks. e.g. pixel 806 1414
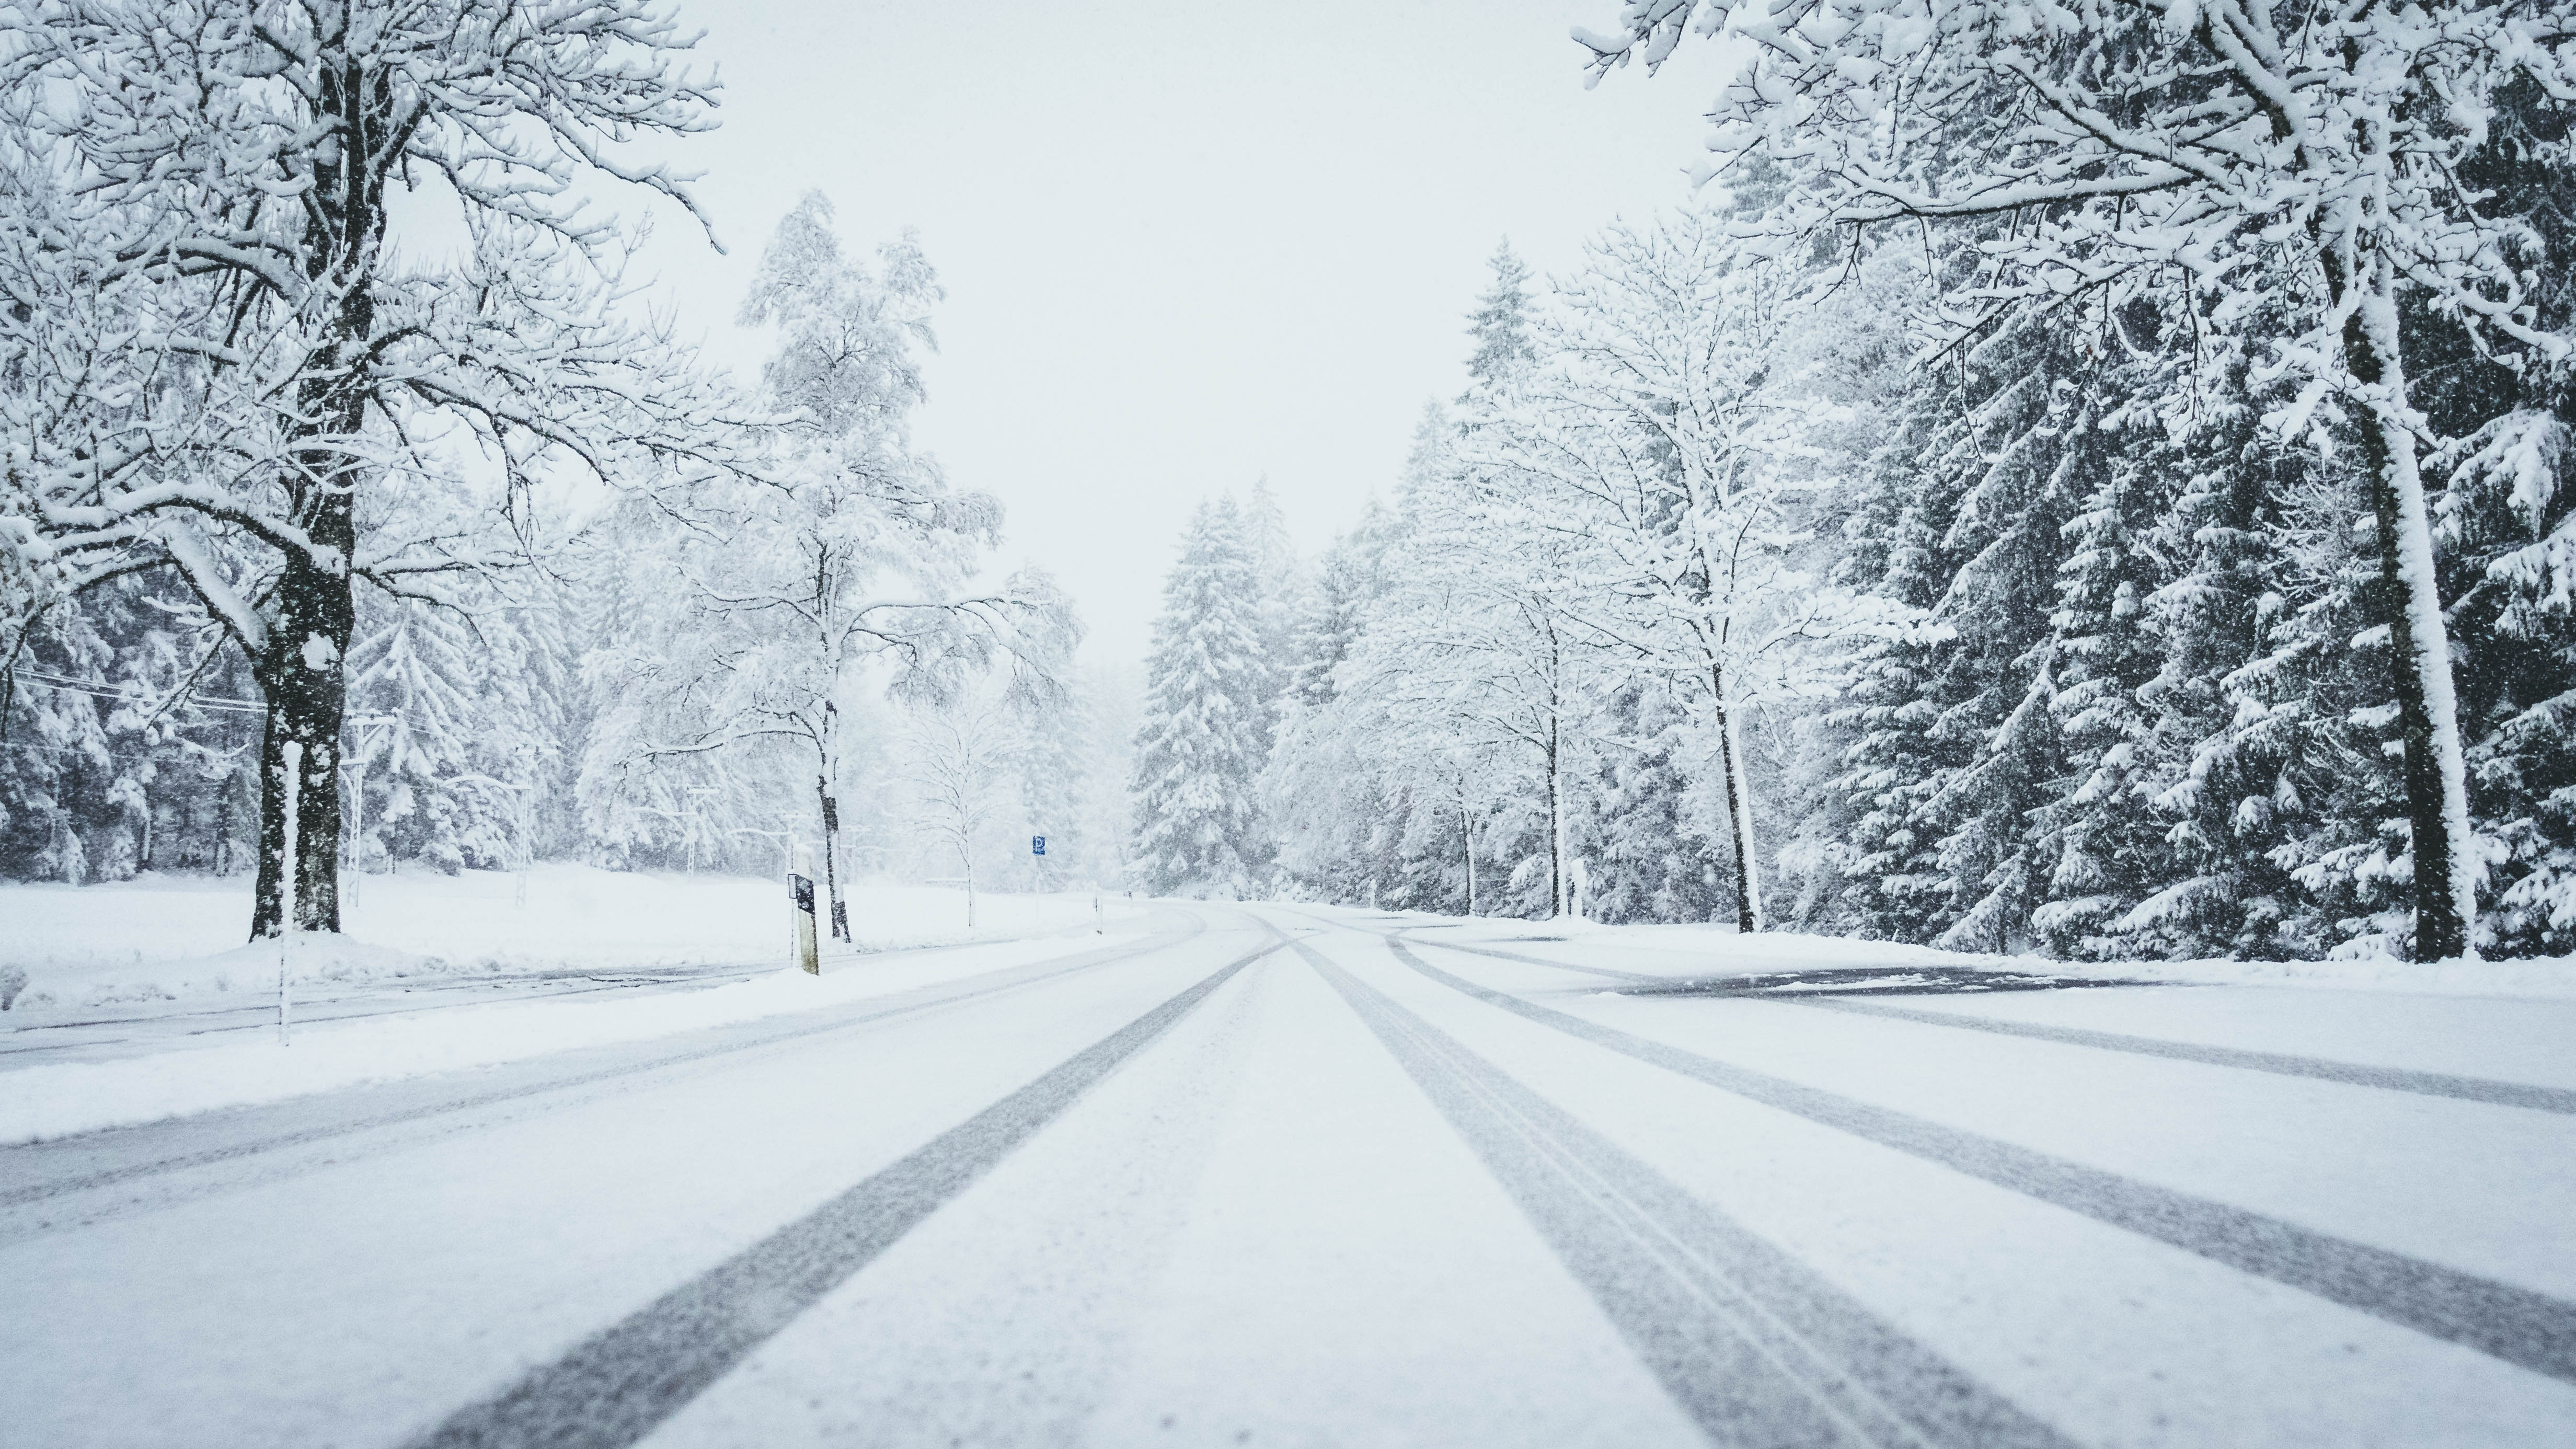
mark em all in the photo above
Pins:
pixel 1037 845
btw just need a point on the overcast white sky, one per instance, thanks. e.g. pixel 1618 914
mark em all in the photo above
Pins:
pixel 1184 244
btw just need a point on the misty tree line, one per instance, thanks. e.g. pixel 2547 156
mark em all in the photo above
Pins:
pixel 344 467
pixel 2085 477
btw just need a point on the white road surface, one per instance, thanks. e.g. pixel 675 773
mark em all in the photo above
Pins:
pixel 1290 1176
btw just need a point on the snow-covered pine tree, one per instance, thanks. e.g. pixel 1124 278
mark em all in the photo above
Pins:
pixel 2223 759
pixel 1198 824
pixel 1650 852
pixel 2272 135
pixel 1050 759
pixel 1501 324
pixel 2099 841
pixel 1949 728
pixel 1283 591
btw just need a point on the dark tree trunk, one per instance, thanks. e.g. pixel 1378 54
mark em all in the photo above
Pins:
pixel 839 913
pixel 1739 828
pixel 301 665
pixel 300 672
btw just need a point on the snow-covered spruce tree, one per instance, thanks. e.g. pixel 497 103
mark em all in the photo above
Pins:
pixel 1950 727
pixel 1320 787
pixel 2200 141
pixel 1198 824
pixel 1502 325
pixel 1282 585
pixel 1650 857
pixel 2100 842
pixel 126 744
pixel 838 554
pixel 199 227
pixel 2247 736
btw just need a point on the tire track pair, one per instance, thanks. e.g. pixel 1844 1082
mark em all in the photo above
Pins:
pixel 620 1384
pixel 1757 1348
pixel 758 1035
pixel 2284 1064
pixel 2528 1329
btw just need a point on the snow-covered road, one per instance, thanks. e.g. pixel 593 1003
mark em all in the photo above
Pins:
pixel 1293 1176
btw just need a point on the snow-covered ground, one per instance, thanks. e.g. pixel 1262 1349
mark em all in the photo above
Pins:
pixel 53 1099
pixel 159 938
pixel 1306 1177
pixel 129 1017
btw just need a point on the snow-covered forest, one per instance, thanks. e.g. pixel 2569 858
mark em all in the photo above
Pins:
pixel 2072 477
pixel 1344 723
pixel 345 467
pixel 2089 478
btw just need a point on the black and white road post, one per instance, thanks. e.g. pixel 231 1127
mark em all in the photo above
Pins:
pixel 800 894
pixel 286 879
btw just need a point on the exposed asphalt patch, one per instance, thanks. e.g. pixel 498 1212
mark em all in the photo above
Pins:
pixel 1876 981
pixel 2528 1329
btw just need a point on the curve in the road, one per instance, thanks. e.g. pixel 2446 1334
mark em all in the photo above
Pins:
pixel 2530 1330
pixel 1758 1349
pixel 614 1388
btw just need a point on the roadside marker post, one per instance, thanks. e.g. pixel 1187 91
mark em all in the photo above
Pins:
pixel 286 881
pixel 800 899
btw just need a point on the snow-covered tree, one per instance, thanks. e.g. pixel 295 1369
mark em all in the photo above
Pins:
pixel 1675 423
pixel 1198 827
pixel 839 557
pixel 2194 144
pixel 957 759
pixel 1501 324
pixel 221 349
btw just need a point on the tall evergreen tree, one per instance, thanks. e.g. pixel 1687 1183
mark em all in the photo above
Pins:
pixel 1198 819
pixel 1506 342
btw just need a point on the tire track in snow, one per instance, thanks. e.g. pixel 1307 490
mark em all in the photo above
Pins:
pixel 2394 1079
pixel 755 1035
pixel 1757 1348
pixel 615 1387
pixel 2527 1329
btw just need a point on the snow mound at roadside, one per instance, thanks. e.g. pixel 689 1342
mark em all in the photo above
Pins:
pixel 59 1099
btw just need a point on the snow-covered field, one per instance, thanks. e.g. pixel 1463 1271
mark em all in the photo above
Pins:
pixel 53 1099
pixel 188 1016
pixel 160 938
